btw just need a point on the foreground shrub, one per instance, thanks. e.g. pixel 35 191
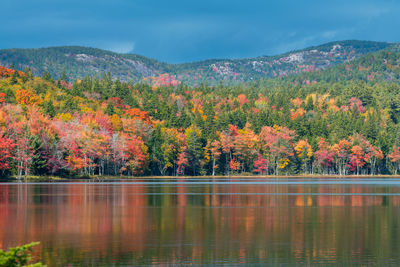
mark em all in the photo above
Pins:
pixel 19 256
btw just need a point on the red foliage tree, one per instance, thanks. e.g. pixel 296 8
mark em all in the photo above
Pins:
pixel 2 98
pixel 136 155
pixel 234 165
pixel 7 146
pixel 260 165
pixel 395 159
pixel 324 156
pixel 182 162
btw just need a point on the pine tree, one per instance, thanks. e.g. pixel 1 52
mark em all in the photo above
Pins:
pixel 46 76
pixel 194 148
pixel 14 77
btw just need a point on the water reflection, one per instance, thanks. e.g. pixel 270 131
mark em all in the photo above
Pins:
pixel 151 223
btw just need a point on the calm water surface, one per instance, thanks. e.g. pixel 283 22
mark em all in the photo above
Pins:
pixel 206 221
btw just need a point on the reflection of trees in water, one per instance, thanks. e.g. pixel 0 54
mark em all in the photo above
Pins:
pixel 152 223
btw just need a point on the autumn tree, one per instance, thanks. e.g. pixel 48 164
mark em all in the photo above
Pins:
pixel 277 146
pixel 261 165
pixel 324 157
pixel 136 156
pixel 304 153
pixel 215 149
pixel 394 158
pixel 7 147
pixel 245 146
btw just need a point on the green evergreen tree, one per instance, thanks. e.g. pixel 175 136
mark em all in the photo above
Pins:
pixel 14 77
pixel 194 144
pixel 46 76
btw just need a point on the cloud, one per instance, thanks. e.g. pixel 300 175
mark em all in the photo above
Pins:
pixel 181 30
pixel 295 42
pixel 121 47
pixel 329 34
pixel 370 11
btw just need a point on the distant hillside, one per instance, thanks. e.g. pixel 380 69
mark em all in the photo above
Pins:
pixel 380 66
pixel 79 62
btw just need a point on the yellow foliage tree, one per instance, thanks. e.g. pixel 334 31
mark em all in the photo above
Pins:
pixel 25 97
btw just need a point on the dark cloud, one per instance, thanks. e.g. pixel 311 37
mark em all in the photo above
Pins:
pixel 177 31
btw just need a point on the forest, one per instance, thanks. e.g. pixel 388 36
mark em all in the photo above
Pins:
pixel 342 121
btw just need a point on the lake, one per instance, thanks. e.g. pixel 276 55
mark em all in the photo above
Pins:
pixel 287 222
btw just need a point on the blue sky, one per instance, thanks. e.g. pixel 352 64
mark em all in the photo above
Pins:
pixel 188 30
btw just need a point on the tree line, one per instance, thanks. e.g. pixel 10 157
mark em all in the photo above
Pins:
pixel 102 126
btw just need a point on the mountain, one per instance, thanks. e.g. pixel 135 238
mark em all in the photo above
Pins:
pixel 380 66
pixel 78 62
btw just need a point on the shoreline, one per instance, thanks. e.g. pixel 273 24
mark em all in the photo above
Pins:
pixel 111 178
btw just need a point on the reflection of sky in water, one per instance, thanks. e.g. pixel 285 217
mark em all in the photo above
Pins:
pixel 219 221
